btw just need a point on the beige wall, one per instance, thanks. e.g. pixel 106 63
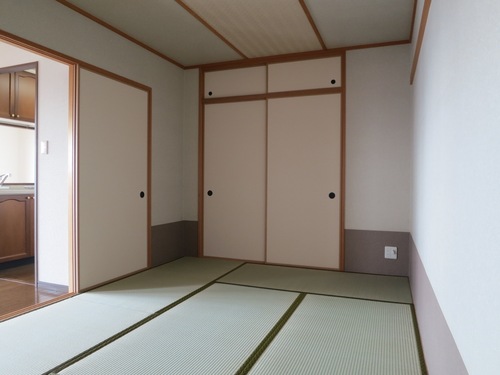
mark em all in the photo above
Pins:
pixel 55 26
pixel 378 139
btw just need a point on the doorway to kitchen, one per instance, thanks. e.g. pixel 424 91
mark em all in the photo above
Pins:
pixel 36 194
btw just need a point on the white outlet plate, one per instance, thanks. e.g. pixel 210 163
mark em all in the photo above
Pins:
pixel 391 252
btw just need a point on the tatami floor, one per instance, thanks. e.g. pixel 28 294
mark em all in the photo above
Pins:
pixel 18 290
pixel 212 316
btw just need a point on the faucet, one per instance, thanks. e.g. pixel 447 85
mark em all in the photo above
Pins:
pixel 3 177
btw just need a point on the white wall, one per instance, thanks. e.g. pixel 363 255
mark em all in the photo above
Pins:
pixel 52 174
pixel 55 26
pixel 17 152
pixel 456 205
pixel 378 139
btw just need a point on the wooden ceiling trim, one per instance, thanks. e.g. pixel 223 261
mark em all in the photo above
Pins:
pixel 209 27
pixel 376 45
pixel 420 39
pixel 118 31
pixel 413 19
pixel 255 61
pixel 313 24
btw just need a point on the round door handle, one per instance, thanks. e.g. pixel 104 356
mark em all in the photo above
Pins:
pixel 210 93
pixel 333 82
pixel 331 195
pixel 210 193
pixel 141 194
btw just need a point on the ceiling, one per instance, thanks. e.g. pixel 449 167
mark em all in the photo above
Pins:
pixel 199 32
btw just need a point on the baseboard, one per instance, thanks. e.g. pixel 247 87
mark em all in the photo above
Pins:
pixel 364 252
pixel 173 241
pixel 440 350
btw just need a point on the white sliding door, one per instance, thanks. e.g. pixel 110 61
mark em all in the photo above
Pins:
pixel 113 179
pixel 304 181
pixel 235 180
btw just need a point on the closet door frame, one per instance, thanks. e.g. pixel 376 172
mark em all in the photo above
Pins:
pixel 270 95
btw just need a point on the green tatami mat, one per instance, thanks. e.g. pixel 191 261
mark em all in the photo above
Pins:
pixel 343 284
pixel 38 341
pixel 212 332
pixel 158 287
pixel 330 335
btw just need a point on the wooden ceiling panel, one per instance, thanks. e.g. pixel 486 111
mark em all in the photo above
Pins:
pixel 259 27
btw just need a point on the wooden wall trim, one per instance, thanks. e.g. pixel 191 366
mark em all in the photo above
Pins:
pixel 343 122
pixel 272 95
pixel 72 147
pixel 201 159
pixel 118 31
pixel 420 39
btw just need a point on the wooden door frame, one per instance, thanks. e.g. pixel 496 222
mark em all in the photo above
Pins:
pixel 202 101
pixel 74 66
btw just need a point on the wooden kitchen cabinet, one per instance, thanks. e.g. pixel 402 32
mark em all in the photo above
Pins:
pixel 16 227
pixel 18 95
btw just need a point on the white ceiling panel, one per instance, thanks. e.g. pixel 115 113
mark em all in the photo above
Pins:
pixel 345 23
pixel 164 26
pixel 259 27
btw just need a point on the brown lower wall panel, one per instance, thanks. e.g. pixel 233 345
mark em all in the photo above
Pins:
pixel 173 240
pixel 364 252
pixel 440 350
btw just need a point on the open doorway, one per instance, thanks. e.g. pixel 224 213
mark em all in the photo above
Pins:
pixel 36 196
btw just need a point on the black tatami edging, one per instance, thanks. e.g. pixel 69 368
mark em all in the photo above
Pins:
pixel 254 357
pixel 133 327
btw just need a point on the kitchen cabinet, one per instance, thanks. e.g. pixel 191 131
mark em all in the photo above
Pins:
pixel 16 227
pixel 18 95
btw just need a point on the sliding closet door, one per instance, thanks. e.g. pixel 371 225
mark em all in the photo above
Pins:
pixel 235 180
pixel 113 179
pixel 304 181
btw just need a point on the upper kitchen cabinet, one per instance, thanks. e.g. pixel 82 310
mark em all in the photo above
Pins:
pixel 306 74
pixel 236 82
pixel 18 93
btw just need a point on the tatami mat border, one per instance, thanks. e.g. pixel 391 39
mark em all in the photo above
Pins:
pixel 127 330
pixel 315 294
pixel 259 350
pixel 253 358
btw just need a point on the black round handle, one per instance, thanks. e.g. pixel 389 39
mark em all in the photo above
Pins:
pixel 210 93
pixel 331 195
pixel 210 193
pixel 333 82
pixel 141 194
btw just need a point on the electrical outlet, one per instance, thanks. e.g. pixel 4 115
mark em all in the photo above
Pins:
pixel 391 252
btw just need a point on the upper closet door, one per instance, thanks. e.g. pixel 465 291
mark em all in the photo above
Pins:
pixel 235 180
pixel 305 75
pixel 235 82
pixel 304 181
